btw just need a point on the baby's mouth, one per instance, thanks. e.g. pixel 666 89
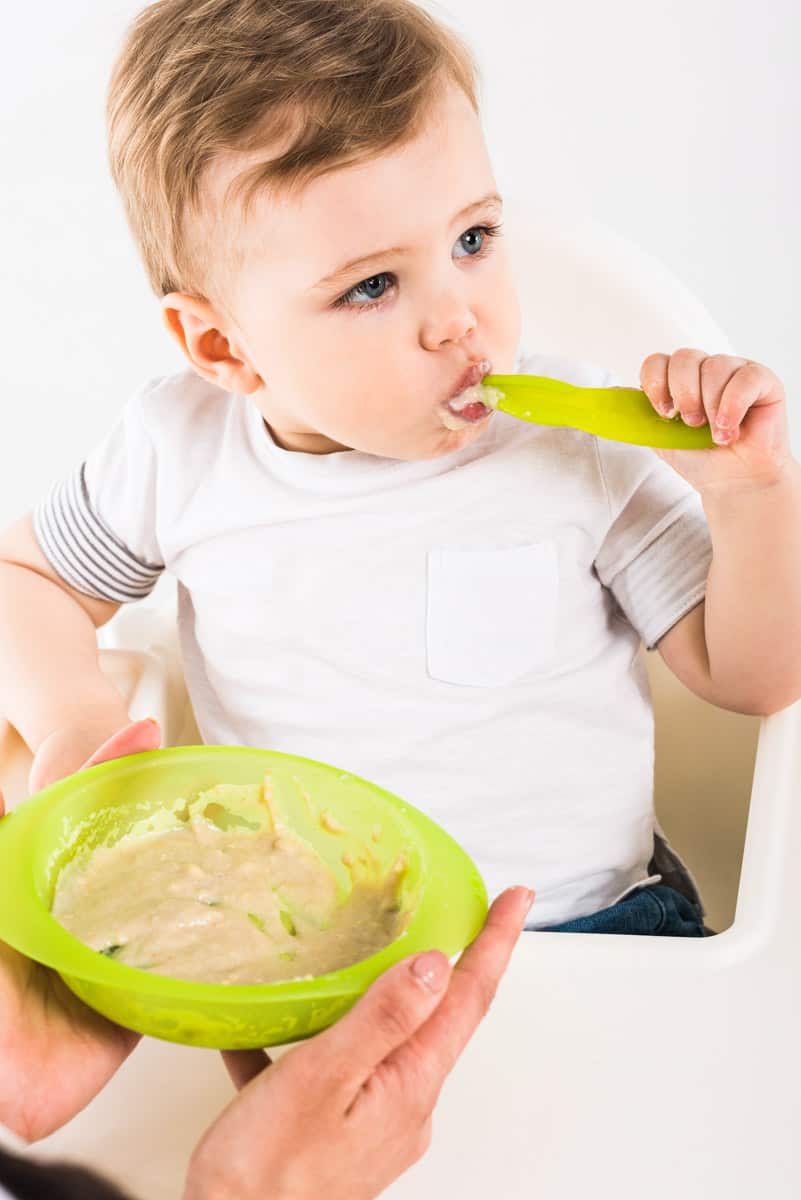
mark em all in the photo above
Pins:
pixel 474 404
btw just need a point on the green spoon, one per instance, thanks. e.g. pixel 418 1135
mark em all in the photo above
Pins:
pixel 621 414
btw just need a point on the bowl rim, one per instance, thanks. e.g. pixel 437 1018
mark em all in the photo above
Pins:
pixel 28 926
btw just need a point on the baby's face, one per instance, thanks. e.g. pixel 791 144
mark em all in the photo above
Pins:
pixel 367 360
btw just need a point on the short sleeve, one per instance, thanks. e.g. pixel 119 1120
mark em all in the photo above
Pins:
pixel 656 553
pixel 97 527
pixel 656 550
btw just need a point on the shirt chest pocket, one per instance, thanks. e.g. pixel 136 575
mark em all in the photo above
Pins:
pixel 491 613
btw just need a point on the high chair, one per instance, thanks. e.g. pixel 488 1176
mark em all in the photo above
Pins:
pixel 609 1066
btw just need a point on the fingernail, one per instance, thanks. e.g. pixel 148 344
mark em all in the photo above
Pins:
pixel 722 421
pixel 721 436
pixel 695 419
pixel 431 970
pixel 667 410
pixel 151 720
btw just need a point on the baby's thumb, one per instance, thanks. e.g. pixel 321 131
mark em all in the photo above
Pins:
pixel 387 1015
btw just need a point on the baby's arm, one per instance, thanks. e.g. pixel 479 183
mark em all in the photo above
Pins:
pixel 50 678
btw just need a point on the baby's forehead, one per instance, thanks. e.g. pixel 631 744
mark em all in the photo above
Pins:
pixel 387 199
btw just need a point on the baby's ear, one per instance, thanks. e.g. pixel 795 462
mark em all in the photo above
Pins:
pixel 200 332
pixel 181 320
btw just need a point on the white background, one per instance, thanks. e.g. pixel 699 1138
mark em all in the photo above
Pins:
pixel 674 121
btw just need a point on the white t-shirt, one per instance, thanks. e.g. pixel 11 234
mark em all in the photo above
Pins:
pixel 463 631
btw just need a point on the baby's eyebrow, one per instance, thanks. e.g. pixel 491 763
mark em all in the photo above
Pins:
pixel 398 251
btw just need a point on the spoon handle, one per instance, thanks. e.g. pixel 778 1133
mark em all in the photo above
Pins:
pixel 621 414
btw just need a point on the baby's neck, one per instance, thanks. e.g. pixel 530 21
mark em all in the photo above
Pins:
pixel 305 443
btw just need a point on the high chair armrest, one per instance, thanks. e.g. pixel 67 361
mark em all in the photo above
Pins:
pixel 770 881
pixel 149 671
pixel 678 1059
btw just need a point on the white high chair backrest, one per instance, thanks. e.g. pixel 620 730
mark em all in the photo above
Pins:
pixel 588 292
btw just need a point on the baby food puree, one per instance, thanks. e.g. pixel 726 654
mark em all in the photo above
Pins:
pixel 217 890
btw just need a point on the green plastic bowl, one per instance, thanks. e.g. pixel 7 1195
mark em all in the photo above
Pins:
pixel 442 888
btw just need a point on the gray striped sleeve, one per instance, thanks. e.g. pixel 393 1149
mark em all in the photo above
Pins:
pixel 84 552
pixel 657 551
pixel 667 579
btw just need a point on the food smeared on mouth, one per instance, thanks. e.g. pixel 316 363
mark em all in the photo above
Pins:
pixel 474 404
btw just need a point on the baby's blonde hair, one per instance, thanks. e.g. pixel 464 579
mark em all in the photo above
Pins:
pixel 195 79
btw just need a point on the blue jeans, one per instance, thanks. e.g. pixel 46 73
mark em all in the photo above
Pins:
pixel 655 909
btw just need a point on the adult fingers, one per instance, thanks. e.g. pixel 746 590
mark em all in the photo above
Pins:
pixel 440 1041
pixel 65 750
pixel 389 1012
pixel 244 1065
pixel 131 739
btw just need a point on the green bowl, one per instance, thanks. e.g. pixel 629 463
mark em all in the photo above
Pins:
pixel 442 889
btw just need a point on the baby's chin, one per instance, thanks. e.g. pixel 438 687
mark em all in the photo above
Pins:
pixel 444 441
pixel 457 437
pixel 444 435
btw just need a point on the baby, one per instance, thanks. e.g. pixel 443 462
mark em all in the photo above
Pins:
pixel 438 597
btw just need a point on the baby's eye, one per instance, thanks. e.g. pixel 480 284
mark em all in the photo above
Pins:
pixel 471 235
pixel 374 288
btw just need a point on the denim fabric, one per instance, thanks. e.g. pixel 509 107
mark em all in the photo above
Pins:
pixel 674 871
pixel 656 909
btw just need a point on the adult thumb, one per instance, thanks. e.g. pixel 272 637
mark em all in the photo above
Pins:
pixel 131 739
pixel 64 751
pixel 385 1017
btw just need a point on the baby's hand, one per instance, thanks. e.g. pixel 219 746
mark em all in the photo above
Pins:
pixel 745 405
pixel 55 1053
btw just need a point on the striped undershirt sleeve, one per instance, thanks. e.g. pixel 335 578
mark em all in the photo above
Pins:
pixel 667 578
pixel 84 552
pixel 657 552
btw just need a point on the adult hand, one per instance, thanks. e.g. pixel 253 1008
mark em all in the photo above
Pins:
pixel 342 1115
pixel 55 1053
pixel 88 741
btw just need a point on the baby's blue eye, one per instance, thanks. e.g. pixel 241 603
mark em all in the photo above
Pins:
pixel 471 233
pixel 374 288
pixel 373 283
